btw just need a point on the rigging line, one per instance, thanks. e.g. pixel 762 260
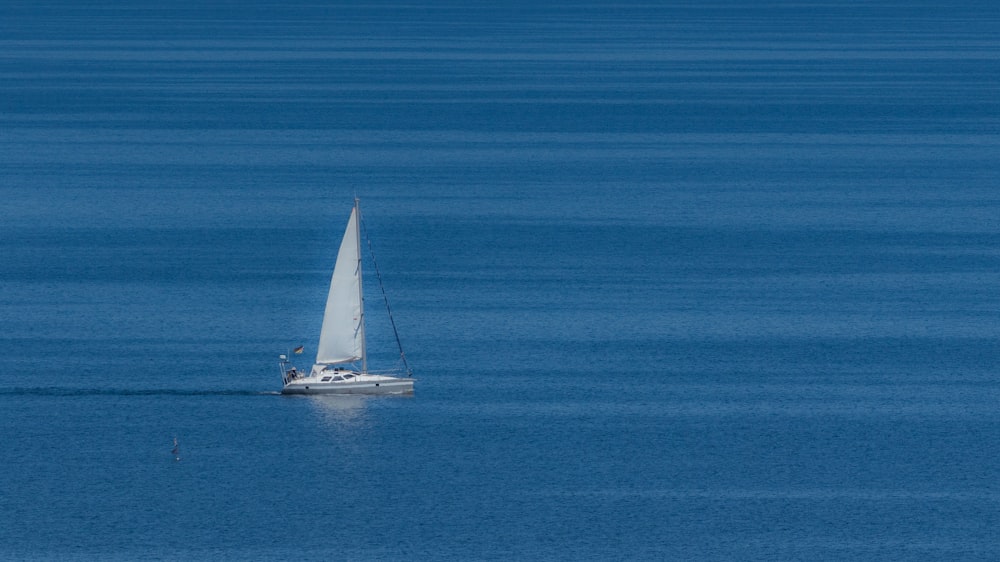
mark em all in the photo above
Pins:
pixel 385 297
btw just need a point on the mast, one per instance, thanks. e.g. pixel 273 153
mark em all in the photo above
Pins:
pixel 361 292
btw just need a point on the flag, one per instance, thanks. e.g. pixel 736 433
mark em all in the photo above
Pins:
pixel 298 350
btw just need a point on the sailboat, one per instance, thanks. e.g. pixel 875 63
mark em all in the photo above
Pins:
pixel 342 336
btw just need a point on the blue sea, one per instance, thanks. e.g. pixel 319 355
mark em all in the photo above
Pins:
pixel 677 280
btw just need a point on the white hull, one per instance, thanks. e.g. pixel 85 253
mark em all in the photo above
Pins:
pixel 359 384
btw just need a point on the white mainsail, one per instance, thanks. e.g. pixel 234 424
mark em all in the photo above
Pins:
pixel 342 337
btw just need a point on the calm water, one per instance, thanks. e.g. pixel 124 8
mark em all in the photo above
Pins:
pixel 715 282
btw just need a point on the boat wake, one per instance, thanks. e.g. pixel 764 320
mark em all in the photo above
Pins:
pixel 58 391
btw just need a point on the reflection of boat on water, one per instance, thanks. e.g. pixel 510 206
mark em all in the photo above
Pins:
pixel 342 336
pixel 341 410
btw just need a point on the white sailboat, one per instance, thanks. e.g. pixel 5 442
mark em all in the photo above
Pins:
pixel 342 336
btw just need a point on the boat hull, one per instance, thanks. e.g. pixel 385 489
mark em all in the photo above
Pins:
pixel 388 385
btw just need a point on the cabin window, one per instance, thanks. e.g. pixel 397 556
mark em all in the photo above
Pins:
pixel 325 379
pixel 338 378
pixel 348 376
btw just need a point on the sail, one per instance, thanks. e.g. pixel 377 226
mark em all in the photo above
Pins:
pixel 342 338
